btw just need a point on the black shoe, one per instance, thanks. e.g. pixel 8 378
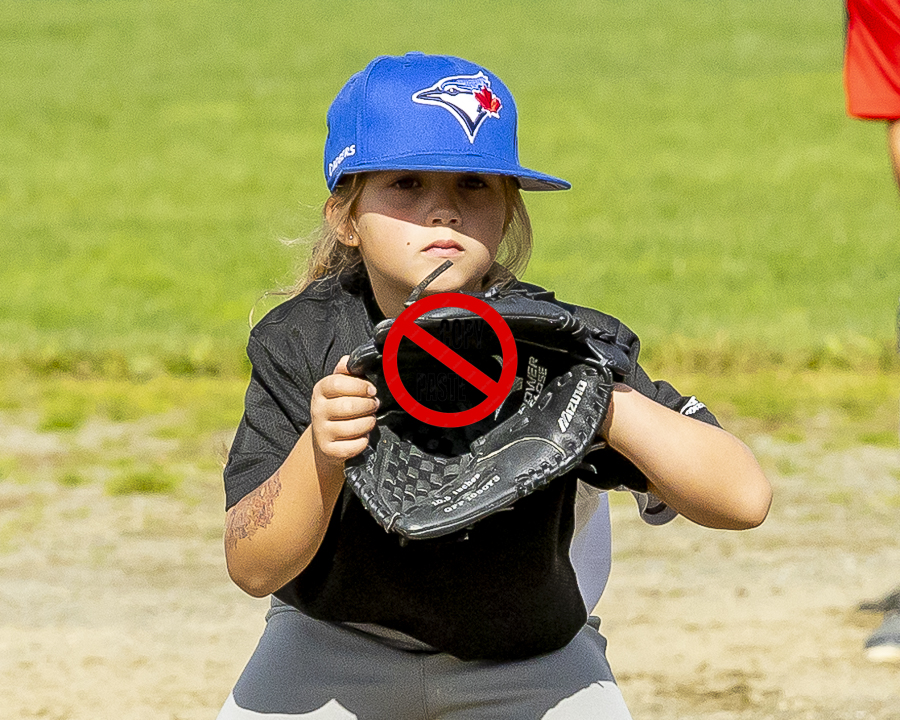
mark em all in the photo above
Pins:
pixel 884 644
pixel 888 603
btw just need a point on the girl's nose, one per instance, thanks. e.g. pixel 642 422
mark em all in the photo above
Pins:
pixel 443 214
pixel 443 206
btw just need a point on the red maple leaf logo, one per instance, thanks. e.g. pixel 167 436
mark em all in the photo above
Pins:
pixel 488 100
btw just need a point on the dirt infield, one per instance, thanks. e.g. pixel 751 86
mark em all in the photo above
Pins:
pixel 763 624
pixel 118 606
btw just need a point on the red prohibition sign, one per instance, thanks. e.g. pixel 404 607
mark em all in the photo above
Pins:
pixel 405 326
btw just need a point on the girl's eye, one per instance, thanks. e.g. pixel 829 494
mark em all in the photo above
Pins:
pixel 406 183
pixel 473 182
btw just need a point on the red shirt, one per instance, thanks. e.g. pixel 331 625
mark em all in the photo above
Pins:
pixel 872 59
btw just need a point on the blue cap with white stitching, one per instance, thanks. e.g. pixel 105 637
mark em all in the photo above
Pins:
pixel 426 112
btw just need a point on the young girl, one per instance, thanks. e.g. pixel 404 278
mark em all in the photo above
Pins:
pixel 421 160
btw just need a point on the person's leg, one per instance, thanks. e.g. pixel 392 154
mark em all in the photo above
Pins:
pixel 574 683
pixel 893 130
pixel 304 668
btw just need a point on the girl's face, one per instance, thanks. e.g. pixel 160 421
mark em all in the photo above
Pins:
pixel 409 222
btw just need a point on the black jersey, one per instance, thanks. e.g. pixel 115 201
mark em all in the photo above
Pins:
pixel 505 590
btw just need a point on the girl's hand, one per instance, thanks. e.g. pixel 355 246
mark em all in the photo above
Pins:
pixel 343 414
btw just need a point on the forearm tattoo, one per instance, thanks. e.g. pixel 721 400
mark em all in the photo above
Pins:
pixel 255 511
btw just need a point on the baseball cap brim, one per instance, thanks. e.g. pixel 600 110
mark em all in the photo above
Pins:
pixel 527 179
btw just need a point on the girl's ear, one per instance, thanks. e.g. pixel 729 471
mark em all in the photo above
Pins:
pixel 340 224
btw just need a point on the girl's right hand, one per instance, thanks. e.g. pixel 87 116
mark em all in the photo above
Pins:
pixel 343 414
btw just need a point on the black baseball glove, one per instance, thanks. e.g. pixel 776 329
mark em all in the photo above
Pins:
pixel 424 481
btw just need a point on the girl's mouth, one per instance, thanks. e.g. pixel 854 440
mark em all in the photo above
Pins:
pixel 443 248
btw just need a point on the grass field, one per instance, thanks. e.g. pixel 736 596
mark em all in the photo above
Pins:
pixel 154 153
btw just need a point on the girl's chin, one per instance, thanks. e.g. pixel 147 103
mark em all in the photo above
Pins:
pixel 451 285
pixel 464 276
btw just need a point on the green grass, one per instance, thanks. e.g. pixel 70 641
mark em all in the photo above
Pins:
pixel 183 405
pixel 72 479
pixel 8 468
pixel 64 413
pixel 153 154
pixel 146 481
pixel 881 438
pixel 791 404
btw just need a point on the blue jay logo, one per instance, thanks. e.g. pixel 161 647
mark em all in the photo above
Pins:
pixel 467 97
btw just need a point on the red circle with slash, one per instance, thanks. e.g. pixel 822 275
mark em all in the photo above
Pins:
pixel 495 390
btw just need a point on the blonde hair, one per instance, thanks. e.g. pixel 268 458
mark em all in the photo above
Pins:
pixel 330 257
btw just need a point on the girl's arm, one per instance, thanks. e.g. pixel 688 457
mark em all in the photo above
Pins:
pixel 273 532
pixel 700 470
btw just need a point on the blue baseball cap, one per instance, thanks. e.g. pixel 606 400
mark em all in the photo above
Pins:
pixel 426 112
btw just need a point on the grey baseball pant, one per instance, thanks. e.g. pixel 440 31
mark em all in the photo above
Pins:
pixel 305 668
